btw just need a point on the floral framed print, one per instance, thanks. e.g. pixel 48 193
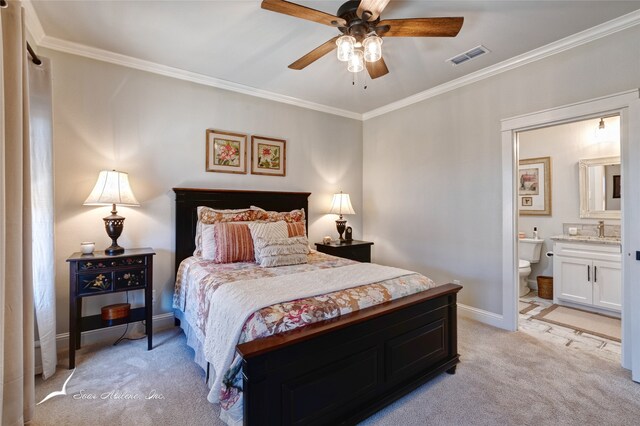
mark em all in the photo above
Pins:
pixel 268 156
pixel 534 186
pixel 226 152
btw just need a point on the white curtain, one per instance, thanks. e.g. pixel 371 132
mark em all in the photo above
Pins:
pixel 16 289
pixel 40 135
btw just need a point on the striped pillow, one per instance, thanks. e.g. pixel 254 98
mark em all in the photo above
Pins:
pixel 233 243
pixel 296 229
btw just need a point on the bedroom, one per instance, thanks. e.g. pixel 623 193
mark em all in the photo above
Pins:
pixel 136 119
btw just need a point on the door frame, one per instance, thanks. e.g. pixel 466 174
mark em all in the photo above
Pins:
pixel 627 105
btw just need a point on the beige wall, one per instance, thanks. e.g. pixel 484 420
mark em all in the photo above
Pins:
pixel 153 127
pixel 433 171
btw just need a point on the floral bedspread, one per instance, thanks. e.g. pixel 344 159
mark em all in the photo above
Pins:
pixel 198 279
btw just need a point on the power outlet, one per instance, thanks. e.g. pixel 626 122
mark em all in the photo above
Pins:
pixel 153 296
pixel 454 281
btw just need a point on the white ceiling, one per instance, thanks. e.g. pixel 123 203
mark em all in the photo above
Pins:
pixel 239 42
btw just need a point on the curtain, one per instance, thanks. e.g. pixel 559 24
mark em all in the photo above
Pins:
pixel 16 290
pixel 40 137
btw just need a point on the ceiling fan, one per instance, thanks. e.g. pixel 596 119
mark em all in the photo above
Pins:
pixel 360 44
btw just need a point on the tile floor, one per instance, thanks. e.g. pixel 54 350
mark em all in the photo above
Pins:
pixel 568 337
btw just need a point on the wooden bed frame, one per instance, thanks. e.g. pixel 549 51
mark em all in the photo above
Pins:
pixel 337 371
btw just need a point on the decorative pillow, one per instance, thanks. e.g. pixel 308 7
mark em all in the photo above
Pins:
pixel 233 243
pixel 207 215
pixel 281 251
pixel 296 229
pixel 290 217
pixel 267 231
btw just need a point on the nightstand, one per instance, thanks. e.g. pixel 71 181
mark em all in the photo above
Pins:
pixel 95 274
pixel 354 250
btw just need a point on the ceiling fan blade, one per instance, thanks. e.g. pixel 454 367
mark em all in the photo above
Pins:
pixel 314 55
pixel 377 69
pixel 422 27
pixel 303 12
pixel 374 7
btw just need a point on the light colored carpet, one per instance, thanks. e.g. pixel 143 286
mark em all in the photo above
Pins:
pixel 504 379
pixel 588 322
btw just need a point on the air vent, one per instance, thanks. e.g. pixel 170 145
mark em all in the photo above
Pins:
pixel 468 55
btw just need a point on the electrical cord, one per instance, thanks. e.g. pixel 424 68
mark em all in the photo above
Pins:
pixel 121 338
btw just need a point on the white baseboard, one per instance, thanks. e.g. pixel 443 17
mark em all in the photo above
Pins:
pixel 481 315
pixel 160 322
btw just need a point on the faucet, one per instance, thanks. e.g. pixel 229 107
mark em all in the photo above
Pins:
pixel 600 228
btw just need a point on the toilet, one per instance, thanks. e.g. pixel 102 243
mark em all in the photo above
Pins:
pixel 529 252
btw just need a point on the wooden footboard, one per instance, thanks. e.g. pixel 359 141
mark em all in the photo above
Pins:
pixel 341 371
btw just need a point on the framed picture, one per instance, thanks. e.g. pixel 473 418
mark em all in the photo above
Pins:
pixel 268 156
pixel 226 152
pixel 534 186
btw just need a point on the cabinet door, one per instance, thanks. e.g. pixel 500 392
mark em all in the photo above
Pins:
pixel 607 284
pixel 573 279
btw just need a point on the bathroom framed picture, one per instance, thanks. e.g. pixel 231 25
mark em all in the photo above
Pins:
pixel 534 186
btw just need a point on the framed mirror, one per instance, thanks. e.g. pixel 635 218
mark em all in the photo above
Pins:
pixel 600 188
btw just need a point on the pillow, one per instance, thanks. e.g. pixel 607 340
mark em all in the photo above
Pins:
pixel 296 229
pixel 281 251
pixel 207 215
pixel 267 231
pixel 290 217
pixel 232 243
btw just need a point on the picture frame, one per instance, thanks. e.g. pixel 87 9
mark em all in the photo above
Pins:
pixel 268 156
pixel 226 152
pixel 534 186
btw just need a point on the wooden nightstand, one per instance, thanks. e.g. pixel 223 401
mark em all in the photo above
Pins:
pixel 96 274
pixel 354 250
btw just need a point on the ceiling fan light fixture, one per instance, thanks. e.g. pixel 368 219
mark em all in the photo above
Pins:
pixel 372 48
pixel 345 47
pixel 356 61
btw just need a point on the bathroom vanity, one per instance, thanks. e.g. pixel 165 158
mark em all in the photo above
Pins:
pixel 587 273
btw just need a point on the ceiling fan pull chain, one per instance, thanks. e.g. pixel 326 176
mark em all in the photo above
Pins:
pixel 353 79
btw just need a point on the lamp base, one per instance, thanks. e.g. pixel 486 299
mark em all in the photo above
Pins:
pixel 341 225
pixel 114 224
pixel 113 250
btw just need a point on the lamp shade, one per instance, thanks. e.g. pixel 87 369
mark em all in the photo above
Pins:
pixel 341 204
pixel 112 187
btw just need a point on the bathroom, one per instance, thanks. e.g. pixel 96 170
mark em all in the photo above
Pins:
pixel 569 234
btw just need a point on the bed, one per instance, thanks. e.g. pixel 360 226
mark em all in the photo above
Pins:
pixel 339 370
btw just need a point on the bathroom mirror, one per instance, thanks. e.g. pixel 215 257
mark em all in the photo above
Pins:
pixel 600 188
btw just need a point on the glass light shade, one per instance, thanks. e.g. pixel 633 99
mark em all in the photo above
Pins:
pixel 601 131
pixel 356 61
pixel 341 204
pixel 372 48
pixel 112 187
pixel 345 47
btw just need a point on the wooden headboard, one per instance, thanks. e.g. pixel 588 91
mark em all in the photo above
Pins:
pixel 188 200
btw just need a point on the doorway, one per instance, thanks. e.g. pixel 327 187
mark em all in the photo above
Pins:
pixel 567 175
pixel 627 106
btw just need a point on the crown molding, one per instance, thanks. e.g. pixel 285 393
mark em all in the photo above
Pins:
pixel 167 71
pixel 599 31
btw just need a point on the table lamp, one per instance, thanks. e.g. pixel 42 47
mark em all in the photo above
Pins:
pixel 112 188
pixel 341 205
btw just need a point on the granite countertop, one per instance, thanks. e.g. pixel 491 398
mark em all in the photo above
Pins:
pixel 587 239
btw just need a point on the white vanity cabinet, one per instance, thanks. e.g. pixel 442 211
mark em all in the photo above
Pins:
pixel 588 274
